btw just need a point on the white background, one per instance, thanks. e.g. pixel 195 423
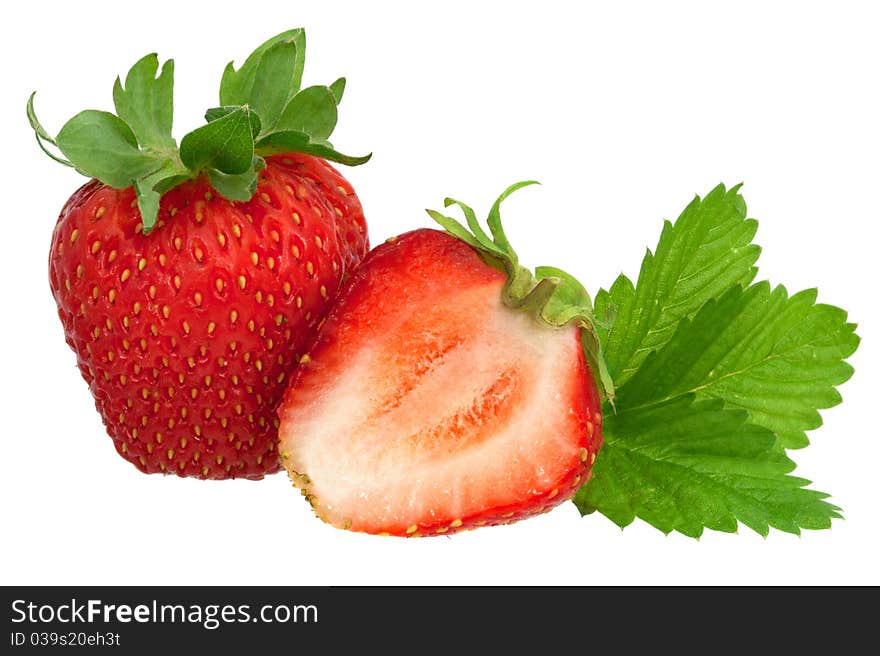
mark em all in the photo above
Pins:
pixel 623 110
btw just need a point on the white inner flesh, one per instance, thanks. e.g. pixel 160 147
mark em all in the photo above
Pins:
pixel 360 469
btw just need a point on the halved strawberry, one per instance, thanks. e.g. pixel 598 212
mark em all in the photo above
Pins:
pixel 448 388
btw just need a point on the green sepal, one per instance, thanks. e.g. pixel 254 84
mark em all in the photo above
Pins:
pixel 312 111
pixel 219 112
pixel 292 141
pixel 238 187
pixel 146 102
pixel 261 104
pixel 549 294
pixel 40 133
pixel 225 144
pixel 151 187
pixel 337 89
pixel 263 69
pixel 101 145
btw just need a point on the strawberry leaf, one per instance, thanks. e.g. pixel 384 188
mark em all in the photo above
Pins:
pixel 777 356
pixel 136 147
pixel 146 102
pixel 293 141
pixel 103 146
pixel 278 72
pixel 225 144
pixel 311 111
pixel 686 464
pixel 707 250
pixel 241 186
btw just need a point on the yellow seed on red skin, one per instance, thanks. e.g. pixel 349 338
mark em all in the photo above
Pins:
pixel 412 529
pixel 74 235
pixel 265 197
pixel 583 454
pixel 211 327
pixel 80 270
pixel 295 251
pixel 142 263
pixel 242 281
pixel 233 316
pixel 455 523
pixel 95 293
pixel 178 243
pixel 236 230
pixel 162 259
pixel 310 268
pixel 274 236
pixel 100 212
pixel 151 290
pixel 166 311
pixel 186 327
pixel 126 274
pixel 296 218
pixel 197 298
pixel 136 308
pixel 111 295
pixel 221 239
pixel 177 281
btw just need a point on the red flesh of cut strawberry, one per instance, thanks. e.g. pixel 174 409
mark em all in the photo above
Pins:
pixel 426 406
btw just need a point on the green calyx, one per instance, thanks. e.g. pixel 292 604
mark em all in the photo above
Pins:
pixel 549 294
pixel 263 111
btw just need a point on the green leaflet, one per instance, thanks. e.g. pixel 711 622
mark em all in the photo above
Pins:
pixel 685 465
pixel 758 349
pixel 701 362
pixel 706 251
pixel 263 112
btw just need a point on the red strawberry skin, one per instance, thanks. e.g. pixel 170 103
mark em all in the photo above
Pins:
pixel 186 336
pixel 426 407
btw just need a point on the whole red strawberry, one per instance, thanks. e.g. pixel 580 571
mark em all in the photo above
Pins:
pixel 448 388
pixel 188 280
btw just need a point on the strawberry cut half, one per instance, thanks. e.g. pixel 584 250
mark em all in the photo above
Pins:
pixel 436 397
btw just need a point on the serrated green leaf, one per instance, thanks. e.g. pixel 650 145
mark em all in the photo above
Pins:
pixel 312 111
pixel 146 102
pixel 707 250
pixel 292 141
pixel 225 144
pixel 687 464
pixel 242 87
pixel 778 357
pixel 101 145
